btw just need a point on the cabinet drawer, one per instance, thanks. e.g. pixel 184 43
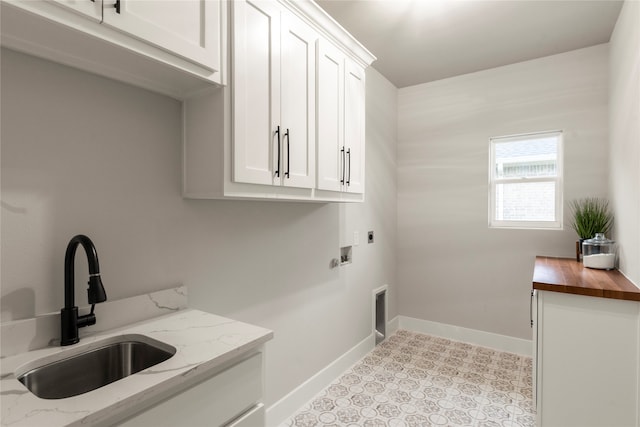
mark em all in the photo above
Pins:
pixel 252 418
pixel 212 402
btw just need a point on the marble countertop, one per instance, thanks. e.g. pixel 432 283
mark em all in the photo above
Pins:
pixel 203 341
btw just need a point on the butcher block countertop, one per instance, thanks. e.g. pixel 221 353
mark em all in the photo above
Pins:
pixel 569 276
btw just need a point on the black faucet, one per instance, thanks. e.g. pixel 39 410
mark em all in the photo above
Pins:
pixel 70 321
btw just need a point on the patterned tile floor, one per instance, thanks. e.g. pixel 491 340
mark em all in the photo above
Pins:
pixel 414 379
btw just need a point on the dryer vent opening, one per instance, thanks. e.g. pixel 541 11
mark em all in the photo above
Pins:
pixel 380 316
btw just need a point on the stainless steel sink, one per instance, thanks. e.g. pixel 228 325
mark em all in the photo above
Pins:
pixel 92 369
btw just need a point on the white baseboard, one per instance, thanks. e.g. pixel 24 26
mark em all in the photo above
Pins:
pixel 284 408
pixel 471 336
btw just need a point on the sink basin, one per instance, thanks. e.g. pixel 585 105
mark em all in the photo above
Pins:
pixel 116 359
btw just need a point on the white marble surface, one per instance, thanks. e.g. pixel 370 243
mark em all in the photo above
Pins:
pixel 24 335
pixel 203 341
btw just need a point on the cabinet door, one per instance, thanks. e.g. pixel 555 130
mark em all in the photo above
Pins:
pixel 187 28
pixel 298 102
pixel 256 92
pixel 87 8
pixel 588 361
pixel 252 418
pixel 354 142
pixel 220 400
pixel 331 154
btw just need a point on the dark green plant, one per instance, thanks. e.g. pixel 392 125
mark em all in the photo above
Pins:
pixel 591 215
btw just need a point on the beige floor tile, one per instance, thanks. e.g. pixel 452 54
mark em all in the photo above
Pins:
pixel 414 379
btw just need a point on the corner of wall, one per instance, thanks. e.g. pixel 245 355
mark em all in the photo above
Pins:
pixel 624 137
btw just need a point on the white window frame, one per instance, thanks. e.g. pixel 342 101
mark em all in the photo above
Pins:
pixel 558 180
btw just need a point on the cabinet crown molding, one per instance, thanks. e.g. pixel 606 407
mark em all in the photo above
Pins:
pixel 330 29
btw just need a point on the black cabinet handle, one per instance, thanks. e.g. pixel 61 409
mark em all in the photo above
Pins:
pixel 349 169
pixel 116 5
pixel 343 165
pixel 531 308
pixel 277 171
pixel 286 135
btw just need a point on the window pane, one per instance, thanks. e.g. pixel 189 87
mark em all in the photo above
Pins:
pixel 530 201
pixel 533 157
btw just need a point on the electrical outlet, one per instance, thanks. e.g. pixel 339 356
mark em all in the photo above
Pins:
pixel 356 238
pixel 370 237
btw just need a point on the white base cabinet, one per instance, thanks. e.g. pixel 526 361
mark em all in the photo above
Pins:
pixel 587 361
pixel 229 398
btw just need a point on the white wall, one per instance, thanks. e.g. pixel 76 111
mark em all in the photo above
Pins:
pixel 451 267
pixel 624 116
pixel 84 154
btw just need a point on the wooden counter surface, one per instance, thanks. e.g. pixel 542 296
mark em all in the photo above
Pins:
pixel 571 277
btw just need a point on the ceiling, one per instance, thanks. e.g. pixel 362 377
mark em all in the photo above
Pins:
pixel 418 41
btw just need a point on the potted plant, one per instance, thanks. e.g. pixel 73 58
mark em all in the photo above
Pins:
pixel 591 215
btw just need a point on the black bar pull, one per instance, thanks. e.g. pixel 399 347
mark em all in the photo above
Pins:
pixel 286 134
pixel 343 166
pixel 277 172
pixel 349 169
pixel 117 6
pixel 531 308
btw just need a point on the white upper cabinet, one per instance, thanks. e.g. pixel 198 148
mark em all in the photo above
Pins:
pixel 187 28
pixel 298 102
pixel 256 91
pixel 90 9
pixel 354 126
pixel 331 154
pixel 273 96
pixel 290 125
pixel 174 47
pixel 341 109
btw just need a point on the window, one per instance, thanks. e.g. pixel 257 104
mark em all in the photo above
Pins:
pixel 525 188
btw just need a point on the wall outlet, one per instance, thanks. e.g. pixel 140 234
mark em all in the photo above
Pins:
pixel 370 237
pixel 356 238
